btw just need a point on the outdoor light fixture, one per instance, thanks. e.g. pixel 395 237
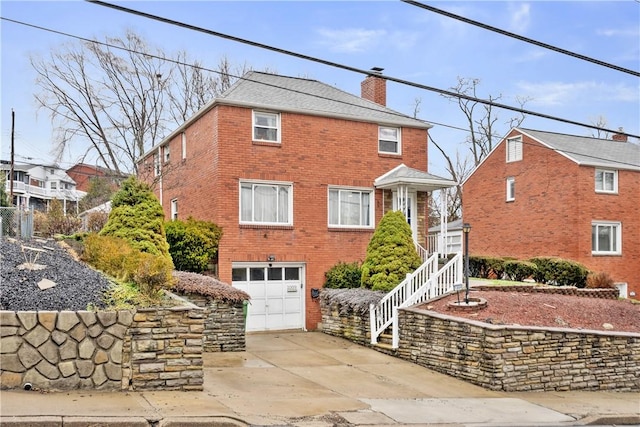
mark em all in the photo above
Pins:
pixel 466 228
pixel 271 258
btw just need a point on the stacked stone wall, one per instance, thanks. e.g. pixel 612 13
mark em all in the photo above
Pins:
pixel 63 350
pixel 224 325
pixel 143 349
pixel 559 290
pixel 503 357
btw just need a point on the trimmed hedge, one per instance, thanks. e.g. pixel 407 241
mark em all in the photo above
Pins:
pixel 560 272
pixel 343 275
pixel 519 270
pixel 192 243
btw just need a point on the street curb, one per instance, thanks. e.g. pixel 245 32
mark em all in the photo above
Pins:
pixel 619 419
pixel 70 421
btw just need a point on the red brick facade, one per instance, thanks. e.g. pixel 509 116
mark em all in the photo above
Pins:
pixel 555 204
pixel 314 152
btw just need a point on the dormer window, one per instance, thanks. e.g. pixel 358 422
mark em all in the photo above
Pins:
pixel 514 149
pixel 606 181
pixel 266 126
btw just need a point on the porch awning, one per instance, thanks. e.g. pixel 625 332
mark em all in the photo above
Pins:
pixel 414 179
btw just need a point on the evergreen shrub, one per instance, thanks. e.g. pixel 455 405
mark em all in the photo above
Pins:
pixel 343 275
pixel 391 254
pixel 560 272
pixel 519 270
pixel 192 243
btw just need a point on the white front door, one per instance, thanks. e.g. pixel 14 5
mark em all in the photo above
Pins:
pixel 276 292
pixel 411 210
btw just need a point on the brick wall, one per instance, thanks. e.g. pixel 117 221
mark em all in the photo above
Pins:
pixel 551 215
pixel 315 151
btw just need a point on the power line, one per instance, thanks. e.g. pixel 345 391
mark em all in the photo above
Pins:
pixel 280 87
pixel 521 38
pixel 347 67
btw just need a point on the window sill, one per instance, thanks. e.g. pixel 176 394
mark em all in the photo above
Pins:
pixel 351 229
pixel 268 226
pixel 616 254
pixel 390 155
pixel 607 193
pixel 267 143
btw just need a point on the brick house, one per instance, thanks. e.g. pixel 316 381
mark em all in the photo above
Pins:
pixel 82 173
pixel 297 173
pixel 549 194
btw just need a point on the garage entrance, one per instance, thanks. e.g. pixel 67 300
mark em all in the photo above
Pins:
pixel 276 291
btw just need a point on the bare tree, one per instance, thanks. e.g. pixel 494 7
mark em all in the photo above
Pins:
pixel 484 131
pixel 600 122
pixel 114 100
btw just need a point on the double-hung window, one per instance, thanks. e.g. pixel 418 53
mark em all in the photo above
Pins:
pixel 266 203
pixel 514 149
pixel 183 141
pixel 156 164
pixel 351 208
pixel 174 209
pixel 389 140
pixel 166 153
pixel 606 181
pixel 511 189
pixel 606 238
pixel 266 126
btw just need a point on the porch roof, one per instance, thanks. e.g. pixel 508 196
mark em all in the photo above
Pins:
pixel 414 178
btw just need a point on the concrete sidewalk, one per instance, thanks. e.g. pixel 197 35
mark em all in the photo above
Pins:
pixel 316 380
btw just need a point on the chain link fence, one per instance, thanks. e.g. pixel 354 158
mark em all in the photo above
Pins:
pixel 16 223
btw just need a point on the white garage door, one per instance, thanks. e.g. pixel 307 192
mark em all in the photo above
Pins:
pixel 276 293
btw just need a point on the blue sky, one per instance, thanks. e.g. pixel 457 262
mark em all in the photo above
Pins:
pixel 408 42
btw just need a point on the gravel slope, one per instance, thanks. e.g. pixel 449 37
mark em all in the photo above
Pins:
pixel 77 285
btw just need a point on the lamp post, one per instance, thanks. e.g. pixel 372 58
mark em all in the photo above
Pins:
pixel 466 228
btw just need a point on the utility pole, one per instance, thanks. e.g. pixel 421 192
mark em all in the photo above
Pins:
pixel 13 124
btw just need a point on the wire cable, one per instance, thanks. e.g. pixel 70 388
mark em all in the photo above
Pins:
pixel 521 38
pixel 349 68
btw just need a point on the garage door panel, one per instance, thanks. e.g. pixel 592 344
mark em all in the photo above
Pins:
pixel 256 290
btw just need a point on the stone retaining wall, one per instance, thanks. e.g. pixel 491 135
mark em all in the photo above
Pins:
pixel 561 290
pixel 502 357
pixel 224 325
pixel 156 348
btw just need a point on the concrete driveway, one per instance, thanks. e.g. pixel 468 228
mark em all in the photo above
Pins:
pixel 313 379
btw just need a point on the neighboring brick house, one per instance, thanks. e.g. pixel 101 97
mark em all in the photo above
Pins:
pixel 82 173
pixel 549 194
pixel 297 173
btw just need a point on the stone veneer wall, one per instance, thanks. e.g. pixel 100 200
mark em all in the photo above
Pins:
pixel 501 357
pixel 224 325
pixel 156 348
pixel 612 293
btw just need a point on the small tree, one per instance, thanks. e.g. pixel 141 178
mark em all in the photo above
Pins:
pixel 100 191
pixel 136 216
pixel 391 254
pixel 192 243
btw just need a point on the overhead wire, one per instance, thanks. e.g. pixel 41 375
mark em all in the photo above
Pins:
pixel 521 38
pixel 146 54
pixel 347 67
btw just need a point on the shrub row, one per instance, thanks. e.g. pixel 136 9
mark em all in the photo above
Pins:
pixel 546 270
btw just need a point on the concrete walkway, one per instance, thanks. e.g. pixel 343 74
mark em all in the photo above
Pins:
pixel 316 380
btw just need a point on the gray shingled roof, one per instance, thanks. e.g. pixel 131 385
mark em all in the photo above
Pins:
pixel 590 151
pixel 282 93
pixel 422 181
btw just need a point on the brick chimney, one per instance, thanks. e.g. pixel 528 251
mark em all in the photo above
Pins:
pixel 619 137
pixel 374 88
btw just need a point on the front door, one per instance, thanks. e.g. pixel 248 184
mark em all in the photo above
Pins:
pixel 411 210
pixel 276 291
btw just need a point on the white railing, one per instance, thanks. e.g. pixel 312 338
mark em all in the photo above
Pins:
pixel 432 243
pixel 440 283
pixel 424 253
pixel 381 314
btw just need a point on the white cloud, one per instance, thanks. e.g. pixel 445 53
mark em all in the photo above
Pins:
pixel 619 32
pixel 520 17
pixel 530 55
pixel 350 40
pixel 565 94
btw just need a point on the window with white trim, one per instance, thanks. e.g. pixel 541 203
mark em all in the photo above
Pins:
pixel 606 238
pixel 352 208
pixel 511 189
pixel 166 153
pixel 266 126
pixel 514 149
pixel 156 164
pixel 183 142
pixel 606 181
pixel 389 140
pixel 174 209
pixel 266 203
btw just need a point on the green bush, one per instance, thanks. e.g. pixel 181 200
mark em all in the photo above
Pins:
pixel 519 270
pixel 137 217
pixel 343 276
pixel 391 254
pixel 560 272
pixel 486 267
pixel 192 243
